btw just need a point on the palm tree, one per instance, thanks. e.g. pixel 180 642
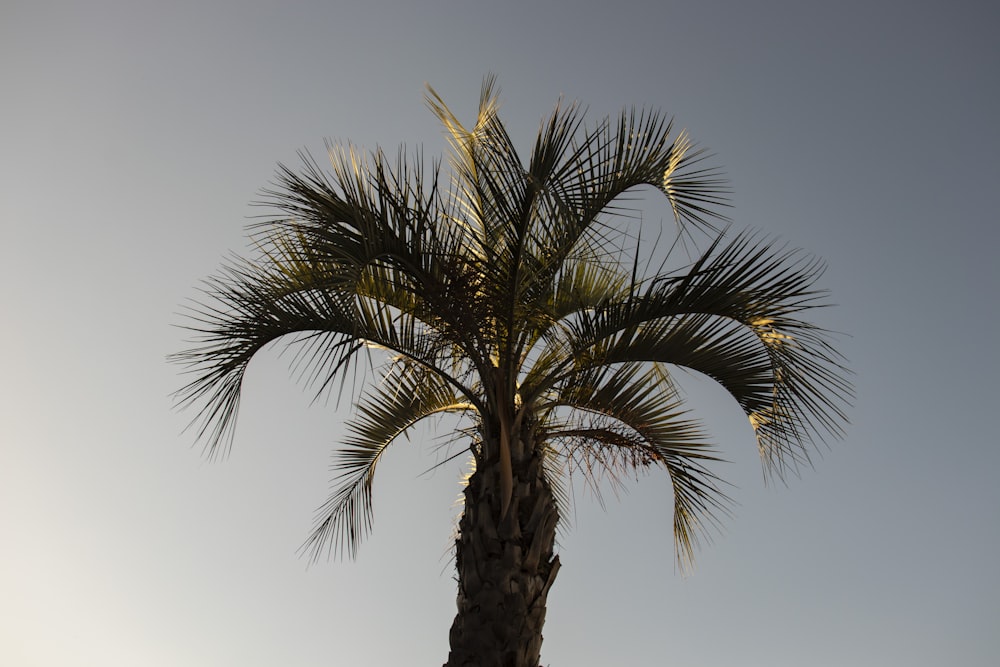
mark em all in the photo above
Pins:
pixel 502 295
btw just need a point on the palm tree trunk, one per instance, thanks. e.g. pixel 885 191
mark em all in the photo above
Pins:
pixel 505 564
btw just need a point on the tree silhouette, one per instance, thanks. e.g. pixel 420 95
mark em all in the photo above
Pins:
pixel 502 293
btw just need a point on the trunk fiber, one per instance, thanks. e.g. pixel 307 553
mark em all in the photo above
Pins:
pixel 505 566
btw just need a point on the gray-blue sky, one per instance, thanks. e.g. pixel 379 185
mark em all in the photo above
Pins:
pixel 135 133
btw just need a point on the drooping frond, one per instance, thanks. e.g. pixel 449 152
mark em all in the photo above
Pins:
pixel 628 416
pixel 389 224
pixel 365 262
pixel 245 312
pixel 734 317
pixel 385 413
pixel 579 185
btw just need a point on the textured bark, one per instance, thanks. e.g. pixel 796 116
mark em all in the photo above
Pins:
pixel 505 565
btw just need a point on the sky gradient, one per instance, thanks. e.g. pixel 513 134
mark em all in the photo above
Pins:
pixel 135 135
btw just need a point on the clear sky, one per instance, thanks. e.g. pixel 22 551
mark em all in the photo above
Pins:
pixel 133 135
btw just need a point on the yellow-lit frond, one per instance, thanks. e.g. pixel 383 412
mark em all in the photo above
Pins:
pixel 680 148
pixel 768 334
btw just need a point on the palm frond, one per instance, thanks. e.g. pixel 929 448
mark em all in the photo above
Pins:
pixel 384 414
pixel 295 292
pixel 628 417
pixel 734 317
pixel 374 218
pixel 245 312
pixel 582 285
pixel 618 155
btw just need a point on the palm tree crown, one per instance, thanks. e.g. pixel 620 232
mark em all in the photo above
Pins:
pixel 499 294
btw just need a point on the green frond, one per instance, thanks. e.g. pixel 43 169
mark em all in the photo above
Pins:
pixel 247 309
pixel 582 284
pixel 486 169
pixel 618 155
pixel 538 216
pixel 628 417
pixel 299 292
pixel 733 317
pixel 382 416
